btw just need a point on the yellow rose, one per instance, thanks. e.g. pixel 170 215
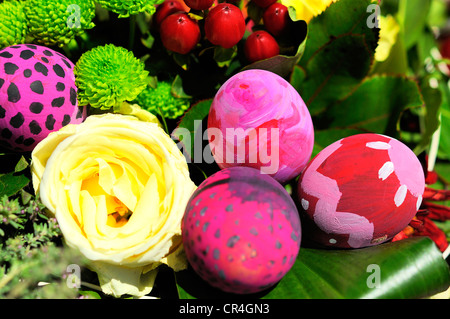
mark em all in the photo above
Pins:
pixel 118 187
pixel 307 9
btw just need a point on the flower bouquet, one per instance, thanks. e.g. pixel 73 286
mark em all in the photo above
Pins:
pixel 270 149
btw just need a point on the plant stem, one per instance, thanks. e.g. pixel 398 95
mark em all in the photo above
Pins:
pixel 91 286
pixel 166 128
pixel 14 271
pixel 446 253
pixel 434 147
pixel 132 32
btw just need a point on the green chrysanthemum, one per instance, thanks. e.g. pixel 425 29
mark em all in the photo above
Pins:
pixel 125 8
pixel 108 75
pixel 160 101
pixel 13 23
pixel 58 22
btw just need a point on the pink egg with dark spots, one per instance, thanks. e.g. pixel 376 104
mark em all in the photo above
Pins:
pixel 360 191
pixel 257 119
pixel 37 95
pixel 241 231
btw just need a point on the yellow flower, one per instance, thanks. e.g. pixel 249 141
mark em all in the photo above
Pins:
pixel 307 9
pixel 118 187
pixel 389 29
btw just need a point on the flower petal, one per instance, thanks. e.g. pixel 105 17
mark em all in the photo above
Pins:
pixel 119 281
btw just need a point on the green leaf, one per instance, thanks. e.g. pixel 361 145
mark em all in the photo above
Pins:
pixel 433 98
pixel 21 165
pixel 437 17
pixel 411 268
pixel 292 13
pixel 376 105
pixel 89 294
pixel 444 143
pixel 412 15
pixel 340 18
pixel 177 88
pixel 254 11
pixel 189 130
pixel 11 183
pixel 223 56
pixel 147 40
pixel 339 52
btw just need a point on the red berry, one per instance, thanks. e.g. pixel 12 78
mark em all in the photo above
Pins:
pixel 199 4
pixel 224 25
pixel 264 3
pixel 260 45
pixel 179 33
pixel 276 18
pixel 165 9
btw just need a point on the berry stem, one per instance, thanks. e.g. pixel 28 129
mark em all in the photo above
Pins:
pixel 166 128
pixel 132 32
pixel 434 147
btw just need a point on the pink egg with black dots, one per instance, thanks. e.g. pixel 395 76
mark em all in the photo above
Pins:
pixel 37 95
pixel 258 119
pixel 241 231
pixel 360 191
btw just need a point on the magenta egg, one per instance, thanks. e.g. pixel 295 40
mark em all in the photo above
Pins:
pixel 241 230
pixel 37 95
pixel 360 191
pixel 257 119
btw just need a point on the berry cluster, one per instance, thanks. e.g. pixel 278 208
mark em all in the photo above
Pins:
pixel 223 25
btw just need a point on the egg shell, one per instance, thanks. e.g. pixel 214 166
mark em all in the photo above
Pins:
pixel 241 231
pixel 37 95
pixel 258 119
pixel 360 191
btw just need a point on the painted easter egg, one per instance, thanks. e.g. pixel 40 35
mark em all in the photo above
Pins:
pixel 37 95
pixel 360 191
pixel 257 119
pixel 241 230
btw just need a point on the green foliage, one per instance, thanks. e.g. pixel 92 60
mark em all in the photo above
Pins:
pixel 40 275
pixel 28 253
pixel 338 54
pixel 383 271
pixel 384 99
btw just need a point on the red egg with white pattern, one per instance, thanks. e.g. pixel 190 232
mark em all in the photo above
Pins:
pixel 360 191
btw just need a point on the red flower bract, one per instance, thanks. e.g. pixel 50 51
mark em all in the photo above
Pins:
pixel 423 223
